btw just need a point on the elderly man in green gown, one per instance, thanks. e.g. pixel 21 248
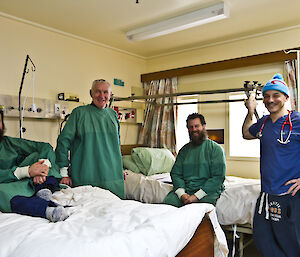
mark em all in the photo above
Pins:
pixel 28 177
pixel 92 135
pixel 199 170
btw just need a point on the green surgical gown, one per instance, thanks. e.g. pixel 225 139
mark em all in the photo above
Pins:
pixel 198 167
pixel 92 136
pixel 14 153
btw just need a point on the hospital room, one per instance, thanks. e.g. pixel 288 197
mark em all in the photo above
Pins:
pixel 161 61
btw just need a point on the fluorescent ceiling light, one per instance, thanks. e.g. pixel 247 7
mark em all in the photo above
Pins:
pixel 209 14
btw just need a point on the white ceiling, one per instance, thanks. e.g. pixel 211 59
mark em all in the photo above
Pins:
pixel 107 21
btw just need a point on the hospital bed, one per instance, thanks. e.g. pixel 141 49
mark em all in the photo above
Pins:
pixel 234 208
pixel 101 224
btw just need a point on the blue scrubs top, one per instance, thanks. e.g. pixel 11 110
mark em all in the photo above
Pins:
pixel 279 163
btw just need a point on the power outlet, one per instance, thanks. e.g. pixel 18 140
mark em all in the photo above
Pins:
pixel 57 109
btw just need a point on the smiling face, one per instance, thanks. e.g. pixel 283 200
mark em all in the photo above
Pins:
pixel 101 93
pixel 275 101
pixel 197 131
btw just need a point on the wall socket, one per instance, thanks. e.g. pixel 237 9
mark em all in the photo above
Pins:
pixel 57 109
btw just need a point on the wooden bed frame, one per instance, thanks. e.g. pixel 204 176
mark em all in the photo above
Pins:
pixel 202 242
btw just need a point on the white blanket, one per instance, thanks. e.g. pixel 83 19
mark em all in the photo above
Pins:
pixel 103 225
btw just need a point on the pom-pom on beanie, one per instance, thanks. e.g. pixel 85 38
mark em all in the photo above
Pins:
pixel 276 83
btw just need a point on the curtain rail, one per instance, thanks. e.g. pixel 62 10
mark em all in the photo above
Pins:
pixel 207 92
pixel 207 102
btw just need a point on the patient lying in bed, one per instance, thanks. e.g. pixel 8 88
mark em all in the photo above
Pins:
pixel 28 176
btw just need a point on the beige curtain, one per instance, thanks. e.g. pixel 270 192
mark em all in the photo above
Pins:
pixel 158 128
pixel 290 72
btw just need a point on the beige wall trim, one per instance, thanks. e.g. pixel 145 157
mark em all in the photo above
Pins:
pixel 240 62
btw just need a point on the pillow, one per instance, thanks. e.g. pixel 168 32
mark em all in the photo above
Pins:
pixel 129 164
pixel 152 161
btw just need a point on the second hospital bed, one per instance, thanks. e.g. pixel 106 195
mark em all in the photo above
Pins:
pixel 235 207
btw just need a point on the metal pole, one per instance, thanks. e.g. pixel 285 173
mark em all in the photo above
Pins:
pixel 20 92
pixel 207 102
pixel 207 92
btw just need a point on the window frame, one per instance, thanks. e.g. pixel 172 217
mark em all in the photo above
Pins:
pixel 227 135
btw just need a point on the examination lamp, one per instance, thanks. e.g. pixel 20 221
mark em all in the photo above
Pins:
pixel 209 14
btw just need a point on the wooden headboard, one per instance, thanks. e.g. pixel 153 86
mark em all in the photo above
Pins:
pixel 126 149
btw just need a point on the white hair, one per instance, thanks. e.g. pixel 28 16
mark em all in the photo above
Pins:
pixel 95 82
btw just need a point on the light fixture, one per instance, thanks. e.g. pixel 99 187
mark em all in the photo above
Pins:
pixel 209 14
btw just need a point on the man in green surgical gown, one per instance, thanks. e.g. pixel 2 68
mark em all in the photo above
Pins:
pixel 92 135
pixel 199 171
pixel 28 177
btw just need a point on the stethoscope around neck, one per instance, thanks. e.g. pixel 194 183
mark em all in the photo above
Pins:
pixel 287 121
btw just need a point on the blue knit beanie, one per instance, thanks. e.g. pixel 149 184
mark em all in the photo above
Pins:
pixel 276 83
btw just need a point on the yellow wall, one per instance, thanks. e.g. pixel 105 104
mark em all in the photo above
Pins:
pixel 64 64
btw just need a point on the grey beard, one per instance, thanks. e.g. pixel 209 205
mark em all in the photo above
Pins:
pixel 198 140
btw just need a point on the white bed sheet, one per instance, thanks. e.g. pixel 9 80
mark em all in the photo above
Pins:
pixel 147 189
pixel 103 225
pixel 235 206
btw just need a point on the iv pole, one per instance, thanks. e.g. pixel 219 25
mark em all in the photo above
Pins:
pixel 20 90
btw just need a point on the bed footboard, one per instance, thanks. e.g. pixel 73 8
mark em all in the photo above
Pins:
pixel 202 243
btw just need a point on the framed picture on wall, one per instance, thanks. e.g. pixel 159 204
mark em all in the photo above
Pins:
pixel 216 135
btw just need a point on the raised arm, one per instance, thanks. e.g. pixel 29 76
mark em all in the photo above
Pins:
pixel 251 106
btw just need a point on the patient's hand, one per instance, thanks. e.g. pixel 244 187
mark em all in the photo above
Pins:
pixel 66 181
pixel 192 199
pixel 38 169
pixel 39 179
pixel 184 198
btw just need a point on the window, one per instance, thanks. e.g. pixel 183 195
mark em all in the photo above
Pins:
pixel 182 136
pixel 239 147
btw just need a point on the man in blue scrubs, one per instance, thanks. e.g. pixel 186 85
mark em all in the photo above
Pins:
pixel 276 225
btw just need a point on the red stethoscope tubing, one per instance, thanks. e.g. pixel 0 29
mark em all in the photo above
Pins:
pixel 287 121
